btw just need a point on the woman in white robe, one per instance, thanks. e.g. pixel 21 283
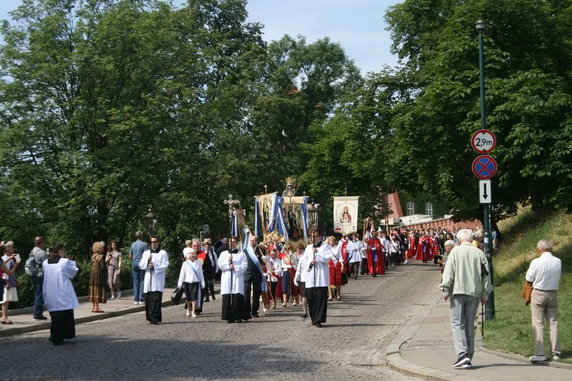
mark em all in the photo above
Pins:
pixel 59 294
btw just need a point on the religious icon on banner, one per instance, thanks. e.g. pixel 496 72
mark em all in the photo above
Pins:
pixel 345 214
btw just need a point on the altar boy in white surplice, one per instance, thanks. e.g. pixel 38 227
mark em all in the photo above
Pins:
pixel 155 263
pixel 233 264
pixel 59 295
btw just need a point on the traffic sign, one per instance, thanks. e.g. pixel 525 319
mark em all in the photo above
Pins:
pixel 485 194
pixel 484 167
pixel 483 141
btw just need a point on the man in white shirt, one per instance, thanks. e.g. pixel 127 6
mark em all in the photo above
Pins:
pixel 544 273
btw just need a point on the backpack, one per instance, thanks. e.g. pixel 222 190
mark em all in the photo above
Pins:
pixel 32 268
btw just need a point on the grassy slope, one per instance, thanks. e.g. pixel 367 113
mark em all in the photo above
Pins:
pixel 511 331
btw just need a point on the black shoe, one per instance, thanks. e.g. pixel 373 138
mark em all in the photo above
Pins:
pixel 304 316
pixel 318 325
pixel 461 361
pixel 230 321
pixel 56 341
pixel 255 315
pixel 206 300
pixel 214 298
pixel 154 321
pixel 41 317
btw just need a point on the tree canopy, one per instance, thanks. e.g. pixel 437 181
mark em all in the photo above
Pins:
pixel 111 107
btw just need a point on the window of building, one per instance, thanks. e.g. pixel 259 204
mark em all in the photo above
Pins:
pixel 429 209
pixel 410 208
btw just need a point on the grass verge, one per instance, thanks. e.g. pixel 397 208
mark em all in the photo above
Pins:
pixel 511 331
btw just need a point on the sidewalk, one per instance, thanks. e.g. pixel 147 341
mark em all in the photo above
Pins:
pixel 23 321
pixel 425 349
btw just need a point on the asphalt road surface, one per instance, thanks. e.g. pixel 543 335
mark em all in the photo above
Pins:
pixel 278 345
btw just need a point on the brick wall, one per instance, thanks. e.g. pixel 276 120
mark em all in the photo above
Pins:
pixel 445 224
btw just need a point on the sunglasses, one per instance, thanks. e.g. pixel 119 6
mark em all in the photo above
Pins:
pixel 154 241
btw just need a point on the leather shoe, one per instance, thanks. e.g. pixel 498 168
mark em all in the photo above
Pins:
pixel 318 325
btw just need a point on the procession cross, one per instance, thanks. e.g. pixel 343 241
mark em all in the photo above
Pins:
pixel 231 202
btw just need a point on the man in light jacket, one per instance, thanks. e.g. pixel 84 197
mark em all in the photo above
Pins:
pixel 466 280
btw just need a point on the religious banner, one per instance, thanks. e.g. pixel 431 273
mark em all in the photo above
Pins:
pixel 281 219
pixel 346 214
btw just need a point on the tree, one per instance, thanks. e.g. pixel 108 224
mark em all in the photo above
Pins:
pixel 528 98
pixel 110 107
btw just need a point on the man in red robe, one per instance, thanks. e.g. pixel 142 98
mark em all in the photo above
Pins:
pixel 375 256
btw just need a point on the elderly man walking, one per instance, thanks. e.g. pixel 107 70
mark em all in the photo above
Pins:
pixel 465 281
pixel 544 273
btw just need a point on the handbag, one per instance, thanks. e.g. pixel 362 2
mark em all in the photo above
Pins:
pixel 177 295
pixel 344 278
pixel 527 292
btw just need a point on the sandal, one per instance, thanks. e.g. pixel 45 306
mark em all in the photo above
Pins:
pixel 6 321
pixel 97 310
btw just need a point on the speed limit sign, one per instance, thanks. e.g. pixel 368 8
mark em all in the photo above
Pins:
pixel 483 141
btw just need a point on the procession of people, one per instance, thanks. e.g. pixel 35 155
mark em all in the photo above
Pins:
pixel 301 274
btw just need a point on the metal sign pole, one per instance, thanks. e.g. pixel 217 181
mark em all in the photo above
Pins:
pixel 490 306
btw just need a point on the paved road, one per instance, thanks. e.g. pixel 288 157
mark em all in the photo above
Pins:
pixel 277 345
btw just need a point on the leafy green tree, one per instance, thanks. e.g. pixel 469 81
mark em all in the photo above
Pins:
pixel 112 107
pixel 528 100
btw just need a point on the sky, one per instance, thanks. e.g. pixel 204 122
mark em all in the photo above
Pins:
pixel 357 25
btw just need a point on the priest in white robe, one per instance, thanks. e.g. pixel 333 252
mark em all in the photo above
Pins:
pixel 233 264
pixel 315 261
pixel 59 294
pixel 155 263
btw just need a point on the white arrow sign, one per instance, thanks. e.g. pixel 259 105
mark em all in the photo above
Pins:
pixel 485 195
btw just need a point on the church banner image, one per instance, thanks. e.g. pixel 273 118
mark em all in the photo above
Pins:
pixel 346 214
pixel 281 219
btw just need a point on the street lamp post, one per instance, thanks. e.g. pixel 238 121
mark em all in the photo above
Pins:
pixel 151 221
pixel 490 306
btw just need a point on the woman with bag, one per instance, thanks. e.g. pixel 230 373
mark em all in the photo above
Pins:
pixel 192 281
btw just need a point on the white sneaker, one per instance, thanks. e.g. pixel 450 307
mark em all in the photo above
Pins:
pixel 118 295
pixel 141 302
pixel 534 359
pixel 194 315
pixel 188 313
pixel 136 302
pixel 112 297
pixel 556 356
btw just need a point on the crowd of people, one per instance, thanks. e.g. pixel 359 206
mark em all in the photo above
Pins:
pixel 270 274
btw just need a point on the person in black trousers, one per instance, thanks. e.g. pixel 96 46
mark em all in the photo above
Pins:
pixel 253 277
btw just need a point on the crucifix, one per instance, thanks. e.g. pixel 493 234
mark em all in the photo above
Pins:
pixel 231 202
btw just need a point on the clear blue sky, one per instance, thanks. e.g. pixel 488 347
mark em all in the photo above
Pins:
pixel 357 25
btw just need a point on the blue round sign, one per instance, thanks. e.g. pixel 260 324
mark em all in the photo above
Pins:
pixel 484 167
